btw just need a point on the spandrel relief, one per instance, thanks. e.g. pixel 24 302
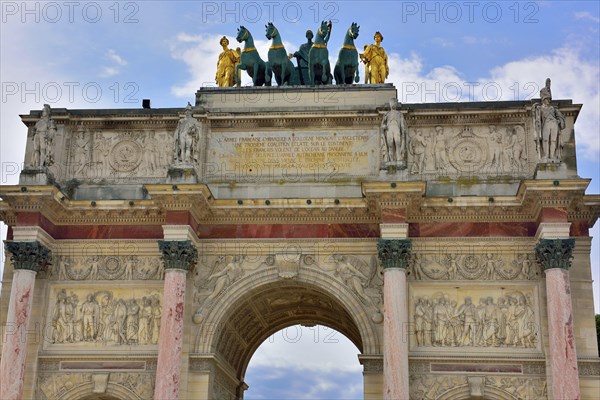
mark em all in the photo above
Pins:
pixel 482 150
pixel 96 155
pixel 99 267
pixel 99 317
pixel 361 275
pixel 491 266
pixel 479 317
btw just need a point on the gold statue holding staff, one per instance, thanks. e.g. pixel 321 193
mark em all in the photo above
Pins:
pixel 376 61
pixel 228 58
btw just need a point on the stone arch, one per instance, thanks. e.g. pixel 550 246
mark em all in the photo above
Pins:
pixel 464 393
pixel 310 297
pixel 113 391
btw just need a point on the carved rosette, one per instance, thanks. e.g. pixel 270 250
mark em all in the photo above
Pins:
pixel 394 253
pixel 555 253
pixel 178 254
pixel 29 255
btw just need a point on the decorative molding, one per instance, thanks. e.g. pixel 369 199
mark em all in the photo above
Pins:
pixel 111 267
pixel 490 266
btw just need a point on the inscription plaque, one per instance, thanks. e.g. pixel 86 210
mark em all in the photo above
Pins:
pixel 292 156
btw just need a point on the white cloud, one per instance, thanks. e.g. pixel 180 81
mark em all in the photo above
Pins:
pixel 475 40
pixel 114 69
pixel 586 15
pixel 440 41
pixel 107 72
pixel 200 54
pixel 318 349
pixel 112 55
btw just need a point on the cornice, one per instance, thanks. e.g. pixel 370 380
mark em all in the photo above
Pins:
pixel 198 201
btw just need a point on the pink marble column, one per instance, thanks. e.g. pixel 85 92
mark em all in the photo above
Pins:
pixel 179 257
pixel 555 257
pixel 28 258
pixel 394 255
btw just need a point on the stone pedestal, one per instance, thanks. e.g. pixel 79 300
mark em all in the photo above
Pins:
pixel 555 257
pixel 394 255
pixel 178 258
pixel 36 176
pixel 182 174
pixel 28 258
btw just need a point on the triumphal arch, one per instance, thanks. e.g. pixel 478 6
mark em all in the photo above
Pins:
pixel 151 251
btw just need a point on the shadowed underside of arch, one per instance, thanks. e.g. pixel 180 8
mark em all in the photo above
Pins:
pixel 273 307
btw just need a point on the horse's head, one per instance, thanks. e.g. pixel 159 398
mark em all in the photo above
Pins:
pixel 323 29
pixel 353 31
pixel 242 34
pixel 271 30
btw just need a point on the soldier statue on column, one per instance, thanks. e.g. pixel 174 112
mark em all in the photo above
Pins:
pixel 549 123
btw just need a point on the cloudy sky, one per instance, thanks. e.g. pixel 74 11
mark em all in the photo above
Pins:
pixel 109 54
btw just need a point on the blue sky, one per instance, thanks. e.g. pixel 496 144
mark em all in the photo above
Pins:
pixel 109 54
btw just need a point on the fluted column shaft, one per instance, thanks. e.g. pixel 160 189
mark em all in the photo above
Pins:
pixel 28 258
pixel 179 256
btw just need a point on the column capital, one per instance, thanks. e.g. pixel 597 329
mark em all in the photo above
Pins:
pixel 29 255
pixel 394 253
pixel 178 254
pixel 555 253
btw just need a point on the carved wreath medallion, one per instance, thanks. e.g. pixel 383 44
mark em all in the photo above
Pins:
pixel 125 156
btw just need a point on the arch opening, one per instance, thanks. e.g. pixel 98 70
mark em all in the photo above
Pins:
pixel 250 317
pixel 270 308
pixel 313 361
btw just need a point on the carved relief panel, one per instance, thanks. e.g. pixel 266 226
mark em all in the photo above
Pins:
pixel 478 317
pixel 96 155
pixel 477 150
pixel 88 316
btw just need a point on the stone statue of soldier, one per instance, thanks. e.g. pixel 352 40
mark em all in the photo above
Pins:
pixel 186 135
pixel 394 132
pixel 549 122
pixel 43 137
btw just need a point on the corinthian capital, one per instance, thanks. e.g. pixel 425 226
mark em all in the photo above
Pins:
pixel 394 253
pixel 555 253
pixel 29 255
pixel 178 254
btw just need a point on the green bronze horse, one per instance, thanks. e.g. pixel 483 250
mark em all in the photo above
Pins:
pixel 251 62
pixel 346 66
pixel 281 65
pixel 319 70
